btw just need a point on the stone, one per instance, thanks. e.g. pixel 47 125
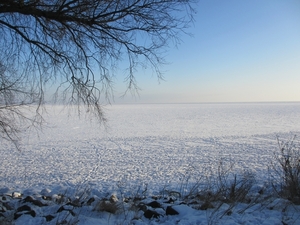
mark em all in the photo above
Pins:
pixel 38 203
pixel 113 199
pixel 6 206
pixel 28 199
pixel 19 214
pixel 23 208
pixel 16 195
pixel 154 204
pixel 171 211
pixel 47 198
pixel 151 214
pixel 49 218
pixel 141 206
pixel 34 201
pixel 32 213
pixel 170 201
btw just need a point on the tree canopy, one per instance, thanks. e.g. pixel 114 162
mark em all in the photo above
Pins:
pixel 79 44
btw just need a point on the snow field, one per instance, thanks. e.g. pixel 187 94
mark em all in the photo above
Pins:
pixel 155 145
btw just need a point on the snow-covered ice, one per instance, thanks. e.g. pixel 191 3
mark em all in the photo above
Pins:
pixel 158 145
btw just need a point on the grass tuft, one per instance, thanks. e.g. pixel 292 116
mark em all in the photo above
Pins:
pixel 285 170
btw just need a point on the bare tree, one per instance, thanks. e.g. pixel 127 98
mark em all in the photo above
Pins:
pixel 78 45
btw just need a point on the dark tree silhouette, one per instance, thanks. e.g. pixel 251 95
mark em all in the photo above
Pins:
pixel 78 44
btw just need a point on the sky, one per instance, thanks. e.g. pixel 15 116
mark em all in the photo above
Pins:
pixel 241 51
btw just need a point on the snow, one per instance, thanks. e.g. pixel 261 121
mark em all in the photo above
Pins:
pixel 153 146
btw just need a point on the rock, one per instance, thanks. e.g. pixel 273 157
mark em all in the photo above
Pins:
pixel 171 211
pixel 126 200
pixel 39 203
pixel 229 213
pixel 49 218
pixel 4 206
pixel 32 213
pixel 60 209
pixel 156 197
pixel 113 199
pixel 154 204
pixel 90 201
pixel 19 214
pixel 170 201
pixel 59 199
pixel 151 214
pixel 47 198
pixel 141 206
pixel 28 199
pixel 72 213
pixel 75 203
pixel 16 195
pixel 23 208
pixel 34 201
pixel 7 206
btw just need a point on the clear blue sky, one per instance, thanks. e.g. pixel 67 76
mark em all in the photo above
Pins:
pixel 242 51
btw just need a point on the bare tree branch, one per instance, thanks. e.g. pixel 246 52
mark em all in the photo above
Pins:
pixel 78 45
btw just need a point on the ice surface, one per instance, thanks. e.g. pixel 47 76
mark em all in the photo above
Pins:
pixel 158 145
pixel 153 143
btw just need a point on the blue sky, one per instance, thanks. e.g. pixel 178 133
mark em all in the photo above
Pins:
pixel 241 51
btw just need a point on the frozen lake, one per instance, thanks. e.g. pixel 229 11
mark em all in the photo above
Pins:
pixel 156 144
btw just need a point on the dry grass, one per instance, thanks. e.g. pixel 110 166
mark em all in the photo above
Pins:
pixel 108 206
pixel 285 170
